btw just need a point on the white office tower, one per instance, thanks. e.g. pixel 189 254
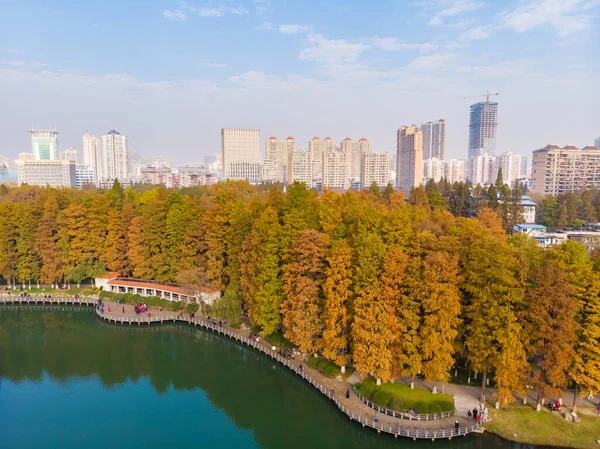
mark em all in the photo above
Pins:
pixel 84 176
pixel 375 168
pixel 316 148
pixel 241 153
pixel 511 168
pixel 481 169
pixel 454 170
pixel 115 157
pixel 53 173
pixel 269 171
pixel 44 144
pixel 300 167
pixel 434 140
pixel 409 156
pixel 91 155
pixel 70 154
pixel 335 170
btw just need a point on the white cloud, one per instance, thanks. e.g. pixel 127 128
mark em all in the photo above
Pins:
pixel 331 51
pixel 260 80
pixel 392 44
pixel 292 29
pixel 565 16
pixel 213 65
pixel 21 63
pixel 476 34
pixel 265 26
pixel 436 62
pixel 447 9
pixel 176 14
pixel 212 9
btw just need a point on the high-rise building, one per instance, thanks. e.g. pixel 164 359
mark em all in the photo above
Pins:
pixel 277 151
pixel 409 172
pixel 597 142
pixel 300 167
pixel 114 156
pixel 269 171
pixel 44 144
pixel 316 148
pixel 524 165
pixel 91 155
pixel 335 170
pixel 352 151
pixel 511 168
pixel 70 154
pixel 481 169
pixel 84 176
pixel 433 169
pixel 26 156
pixel 241 153
pixel 483 123
pixel 454 171
pixel 328 144
pixel 54 173
pixel 434 139
pixel 375 168
pixel 557 170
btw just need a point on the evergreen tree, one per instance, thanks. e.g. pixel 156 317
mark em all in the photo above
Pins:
pixel 375 190
pixel 499 181
pixel 387 193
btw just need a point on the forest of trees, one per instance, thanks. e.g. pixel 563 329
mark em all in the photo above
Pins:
pixel 393 287
pixel 570 209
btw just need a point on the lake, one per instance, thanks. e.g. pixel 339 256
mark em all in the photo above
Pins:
pixel 69 380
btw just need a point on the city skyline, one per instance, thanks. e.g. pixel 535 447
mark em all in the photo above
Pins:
pixel 181 68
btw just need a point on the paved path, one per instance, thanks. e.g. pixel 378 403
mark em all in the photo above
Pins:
pixel 333 389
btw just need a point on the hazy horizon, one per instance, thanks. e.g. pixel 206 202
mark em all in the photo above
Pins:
pixel 170 74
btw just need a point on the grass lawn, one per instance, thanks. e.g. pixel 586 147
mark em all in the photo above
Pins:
pixel 54 291
pixel 523 424
pixel 401 397
pixel 329 368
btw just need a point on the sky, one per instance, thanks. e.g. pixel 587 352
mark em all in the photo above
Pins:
pixel 170 74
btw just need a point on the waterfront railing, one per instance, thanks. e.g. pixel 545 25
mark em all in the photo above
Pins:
pixel 371 422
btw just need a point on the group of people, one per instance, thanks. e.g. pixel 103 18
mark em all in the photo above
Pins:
pixel 478 415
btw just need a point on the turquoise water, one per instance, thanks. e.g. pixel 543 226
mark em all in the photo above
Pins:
pixel 68 380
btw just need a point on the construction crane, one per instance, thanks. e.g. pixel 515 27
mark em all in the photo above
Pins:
pixel 487 96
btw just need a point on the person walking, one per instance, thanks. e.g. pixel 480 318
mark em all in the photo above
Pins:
pixel 475 413
pixel 376 417
pixel 348 396
pixel 456 426
pixel 599 408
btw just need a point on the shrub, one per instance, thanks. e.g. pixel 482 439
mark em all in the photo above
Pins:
pixel 313 362
pixel 446 406
pixel 322 364
pixel 331 370
pixel 434 407
pixel 398 404
pixel 421 407
pixel 367 388
pixel 382 398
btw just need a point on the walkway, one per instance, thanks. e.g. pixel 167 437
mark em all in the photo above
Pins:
pixel 333 389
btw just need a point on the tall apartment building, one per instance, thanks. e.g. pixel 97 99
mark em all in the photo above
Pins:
pixel 557 170
pixel 375 168
pixel 44 144
pixel 84 175
pixel 434 139
pixel 524 165
pixel 300 167
pixel 328 144
pixel 276 151
pixel 70 154
pixel 241 153
pixel 409 157
pixel 483 123
pixel 511 168
pixel 316 148
pixel 454 171
pixel 433 168
pixel 481 169
pixel 115 157
pixel 335 170
pixel 597 142
pixel 54 173
pixel 91 155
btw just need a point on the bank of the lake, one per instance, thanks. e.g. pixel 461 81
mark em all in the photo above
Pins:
pixel 69 380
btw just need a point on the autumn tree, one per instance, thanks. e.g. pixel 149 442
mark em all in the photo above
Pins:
pixel 303 277
pixel 46 242
pixel 337 292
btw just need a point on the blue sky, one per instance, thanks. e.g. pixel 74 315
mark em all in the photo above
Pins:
pixel 170 74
